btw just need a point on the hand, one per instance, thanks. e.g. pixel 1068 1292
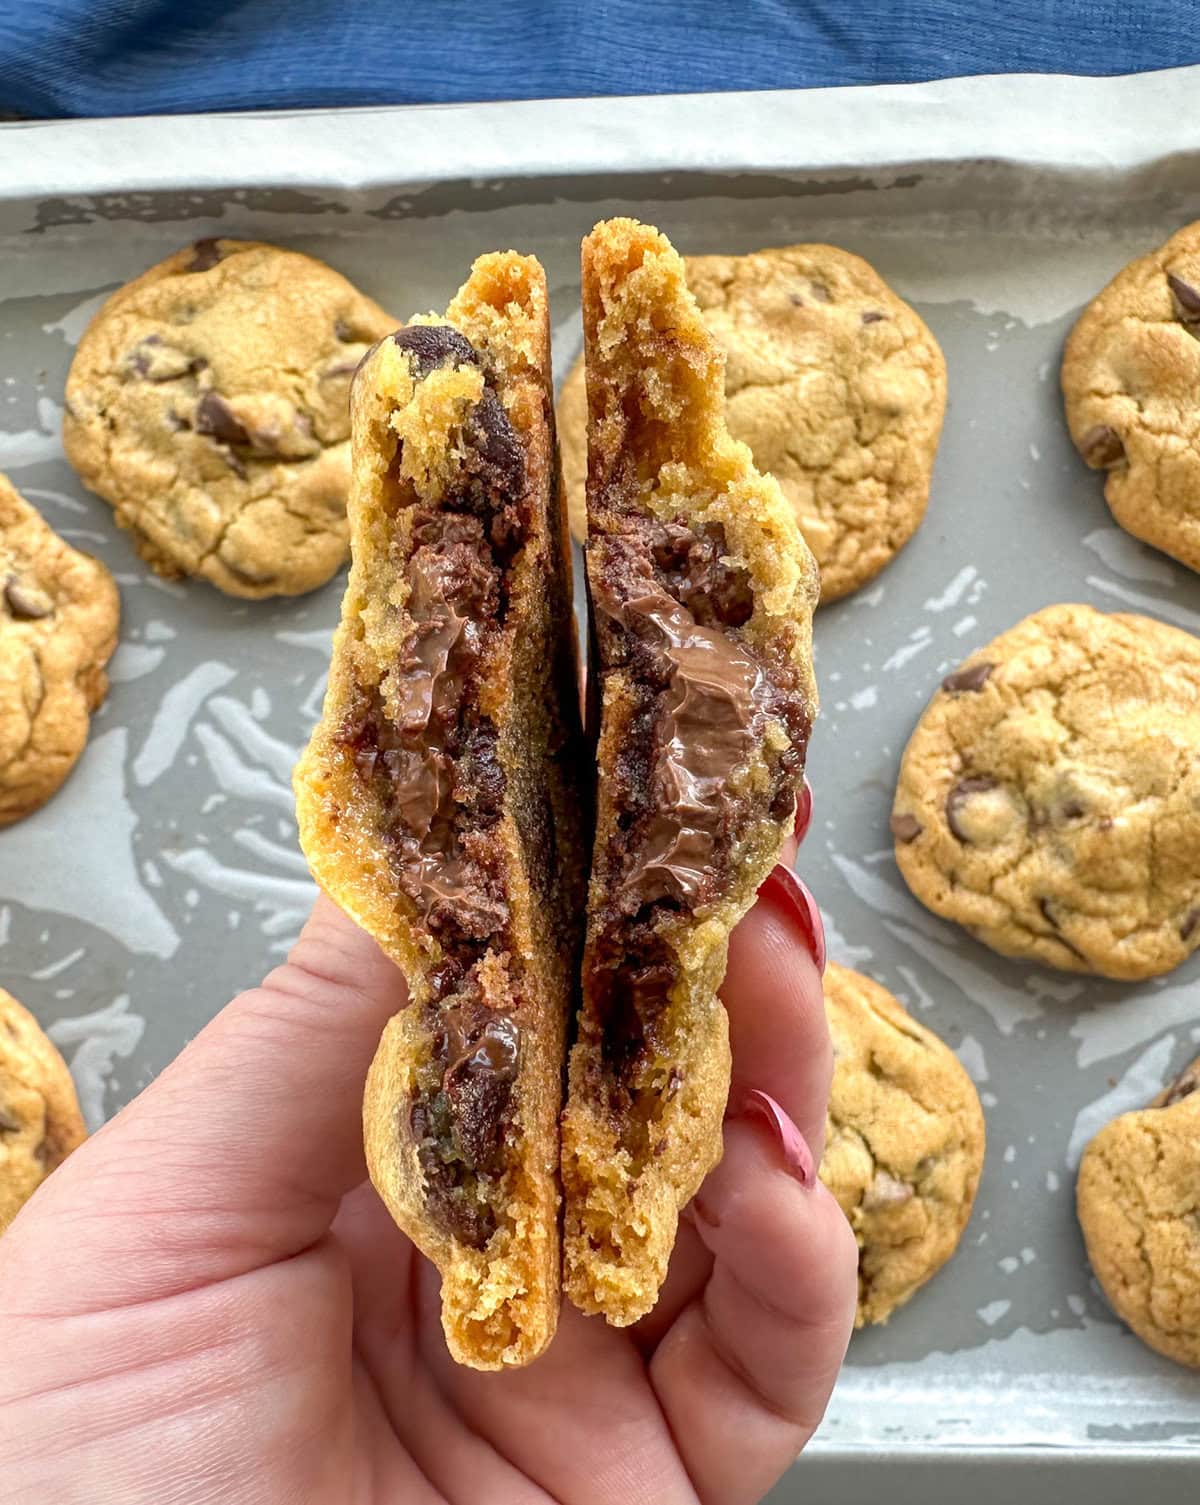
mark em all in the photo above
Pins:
pixel 208 1303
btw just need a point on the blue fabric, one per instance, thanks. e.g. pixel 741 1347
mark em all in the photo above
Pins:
pixel 111 57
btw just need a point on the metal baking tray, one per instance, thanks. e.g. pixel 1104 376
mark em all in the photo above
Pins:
pixel 166 875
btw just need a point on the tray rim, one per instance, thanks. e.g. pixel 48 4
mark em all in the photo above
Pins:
pixel 1064 121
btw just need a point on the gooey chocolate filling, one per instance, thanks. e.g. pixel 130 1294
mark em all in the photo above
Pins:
pixel 430 765
pixel 667 609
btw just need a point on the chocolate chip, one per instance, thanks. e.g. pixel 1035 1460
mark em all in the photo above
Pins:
pixel 1101 447
pixel 432 345
pixel 1072 810
pixel 26 602
pixel 905 827
pixel 873 316
pixel 796 299
pixel 820 292
pixel 154 360
pixel 216 418
pixel 1190 921
pixel 961 792
pixel 970 679
pixel 1186 296
pixel 478 1083
pixel 8 1124
pixel 205 255
pixel 674 1082
pixel 1048 915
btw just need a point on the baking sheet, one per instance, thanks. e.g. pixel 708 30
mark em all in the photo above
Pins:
pixel 166 874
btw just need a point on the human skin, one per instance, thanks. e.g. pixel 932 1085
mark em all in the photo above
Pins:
pixel 208 1302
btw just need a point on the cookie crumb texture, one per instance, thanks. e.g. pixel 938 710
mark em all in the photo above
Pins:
pixel 1131 383
pixel 40 1122
pixel 207 403
pixel 904 1141
pixel 59 611
pixel 1049 799
pixel 835 383
pixel 437 799
pixel 702 594
pixel 1138 1199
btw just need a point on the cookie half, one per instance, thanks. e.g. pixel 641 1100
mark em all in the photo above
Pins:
pixel 207 402
pixel 59 611
pixel 836 384
pixel 40 1122
pixel 904 1141
pixel 702 594
pixel 1131 383
pixel 1138 1199
pixel 439 799
pixel 1049 798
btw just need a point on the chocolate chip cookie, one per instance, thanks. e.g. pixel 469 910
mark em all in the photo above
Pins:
pixel 440 800
pixel 1131 381
pixel 1138 1198
pixel 834 382
pixel 58 627
pixel 1049 799
pixel 904 1141
pixel 207 402
pixel 702 594
pixel 40 1122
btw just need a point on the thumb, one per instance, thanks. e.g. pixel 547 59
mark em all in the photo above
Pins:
pixel 240 1152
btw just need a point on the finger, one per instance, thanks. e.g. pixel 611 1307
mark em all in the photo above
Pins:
pixel 773 996
pixel 745 1373
pixel 240 1152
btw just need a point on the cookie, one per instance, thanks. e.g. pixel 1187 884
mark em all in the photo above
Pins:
pixel 1131 384
pixel 58 627
pixel 904 1141
pixel 834 382
pixel 1138 1199
pixel 702 594
pixel 40 1122
pixel 439 800
pixel 1049 799
pixel 207 403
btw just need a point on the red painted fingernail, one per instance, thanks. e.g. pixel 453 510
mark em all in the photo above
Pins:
pixel 791 898
pixel 803 810
pixel 796 1154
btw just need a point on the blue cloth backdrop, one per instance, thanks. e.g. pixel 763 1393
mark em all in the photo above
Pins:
pixel 115 57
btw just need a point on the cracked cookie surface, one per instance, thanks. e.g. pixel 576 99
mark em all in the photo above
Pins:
pixel 834 382
pixel 1131 383
pixel 1138 1199
pixel 208 404
pixel 58 627
pixel 904 1141
pixel 40 1122
pixel 1049 798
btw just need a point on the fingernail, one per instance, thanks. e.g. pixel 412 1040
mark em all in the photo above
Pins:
pixel 797 1156
pixel 803 810
pixel 791 898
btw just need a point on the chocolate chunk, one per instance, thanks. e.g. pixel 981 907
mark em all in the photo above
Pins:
pixel 905 827
pixel 961 792
pixel 433 345
pixel 8 1124
pixel 692 566
pixel 1183 1086
pixel 483 1051
pixel 873 316
pixel 1190 921
pixel 205 255
pixel 970 679
pixel 26 602
pixel 1072 809
pixel 154 360
pixel 496 465
pixel 1101 447
pixel 216 418
pixel 796 300
pixel 820 292
pixel 1186 297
